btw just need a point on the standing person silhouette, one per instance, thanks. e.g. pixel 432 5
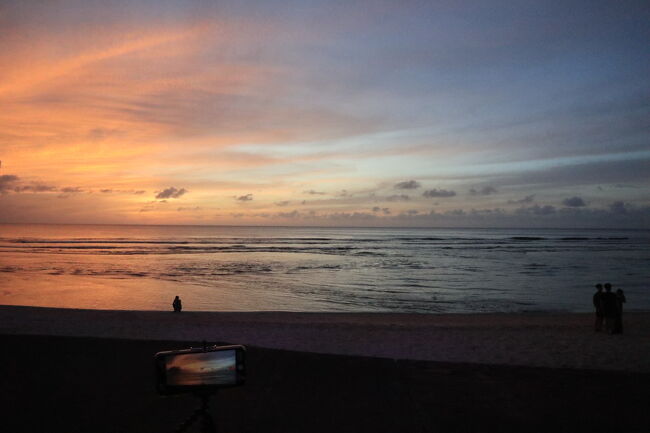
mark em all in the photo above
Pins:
pixel 177 304
pixel 618 323
pixel 598 305
pixel 609 308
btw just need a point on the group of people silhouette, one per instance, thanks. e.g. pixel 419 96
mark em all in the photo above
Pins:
pixel 609 309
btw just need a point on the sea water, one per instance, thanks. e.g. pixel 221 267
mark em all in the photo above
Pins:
pixel 219 268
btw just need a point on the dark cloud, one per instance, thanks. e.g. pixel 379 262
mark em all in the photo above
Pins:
pixel 124 191
pixel 188 209
pixel 574 202
pixel 486 190
pixel 292 214
pixel 398 197
pixel 7 181
pixel 431 193
pixel 10 182
pixel 282 203
pixel 408 184
pixel 244 198
pixel 8 178
pixel 536 210
pixel 352 216
pixel 619 207
pixel 312 192
pixel 71 190
pixel 483 212
pixel 618 214
pixel 525 200
pixel 171 192
pixel 35 187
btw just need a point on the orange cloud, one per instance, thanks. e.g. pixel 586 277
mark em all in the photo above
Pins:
pixel 39 72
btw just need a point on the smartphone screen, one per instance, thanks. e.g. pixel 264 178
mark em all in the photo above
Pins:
pixel 202 369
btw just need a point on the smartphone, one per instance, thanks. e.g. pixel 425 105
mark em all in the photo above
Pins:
pixel 200 369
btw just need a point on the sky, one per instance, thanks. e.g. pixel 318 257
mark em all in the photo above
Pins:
pixel 326 113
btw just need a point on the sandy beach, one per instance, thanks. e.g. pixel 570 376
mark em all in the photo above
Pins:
pixel 541 340
pixel 86 370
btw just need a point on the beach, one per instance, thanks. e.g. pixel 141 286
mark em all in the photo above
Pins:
pixel 553 340
pixel 85 370
pixel 400 215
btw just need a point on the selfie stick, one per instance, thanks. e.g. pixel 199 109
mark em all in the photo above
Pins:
pixel 203 412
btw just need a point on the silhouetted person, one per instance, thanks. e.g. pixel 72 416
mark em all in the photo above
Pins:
pixel 177 304
pixel 598 305
pixel 609 308
pixel 618 322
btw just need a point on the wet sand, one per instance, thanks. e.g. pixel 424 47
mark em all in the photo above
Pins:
pixel 83 374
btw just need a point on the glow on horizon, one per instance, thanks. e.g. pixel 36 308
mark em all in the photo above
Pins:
pixel 373 114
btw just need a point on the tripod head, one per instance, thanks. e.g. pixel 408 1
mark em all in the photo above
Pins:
pixel 200 371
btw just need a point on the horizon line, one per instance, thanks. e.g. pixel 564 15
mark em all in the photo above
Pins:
pixel 332 227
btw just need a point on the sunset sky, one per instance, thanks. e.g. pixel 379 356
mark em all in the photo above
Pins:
pixel 345 113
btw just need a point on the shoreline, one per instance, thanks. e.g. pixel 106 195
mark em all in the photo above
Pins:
pixel 555 340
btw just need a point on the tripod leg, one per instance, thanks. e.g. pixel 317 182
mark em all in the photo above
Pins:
pixel 207 423
pixel 189 421
pixel 203 412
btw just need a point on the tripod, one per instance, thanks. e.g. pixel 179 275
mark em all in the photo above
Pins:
pixel 202 412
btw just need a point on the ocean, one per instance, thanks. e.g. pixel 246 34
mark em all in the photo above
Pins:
pixel 217 268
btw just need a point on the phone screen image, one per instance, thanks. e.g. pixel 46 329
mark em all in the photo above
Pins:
pixel 210 368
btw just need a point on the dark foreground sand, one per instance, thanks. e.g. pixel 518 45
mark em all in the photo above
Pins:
pixel 106 384
pixel 66 384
